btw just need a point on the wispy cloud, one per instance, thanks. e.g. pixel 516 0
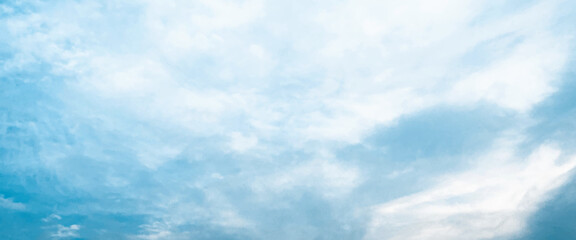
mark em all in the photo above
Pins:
pixel 286 120
pixel 490 201
pixel 11 204
pixel 64 232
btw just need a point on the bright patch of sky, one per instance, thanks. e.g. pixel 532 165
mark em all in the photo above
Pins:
pixel 254 119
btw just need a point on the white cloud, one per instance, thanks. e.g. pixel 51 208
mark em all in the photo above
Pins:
pixel 409 56
pixel 156 230
pixel 52 217
pixel 266 76
pixel 66 232
pixel 329 178
pixel 490 201
pixel 10 204
pixel 515 83
pixel 196 63
pixel 240 142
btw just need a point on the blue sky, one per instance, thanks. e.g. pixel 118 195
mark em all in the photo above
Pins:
pixel 254 119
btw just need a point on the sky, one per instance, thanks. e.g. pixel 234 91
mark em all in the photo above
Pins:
pixel 288 120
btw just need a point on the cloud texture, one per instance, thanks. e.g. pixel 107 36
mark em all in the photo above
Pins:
pixel 256 119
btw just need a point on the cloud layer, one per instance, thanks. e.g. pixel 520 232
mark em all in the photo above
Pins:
pixel 288 120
